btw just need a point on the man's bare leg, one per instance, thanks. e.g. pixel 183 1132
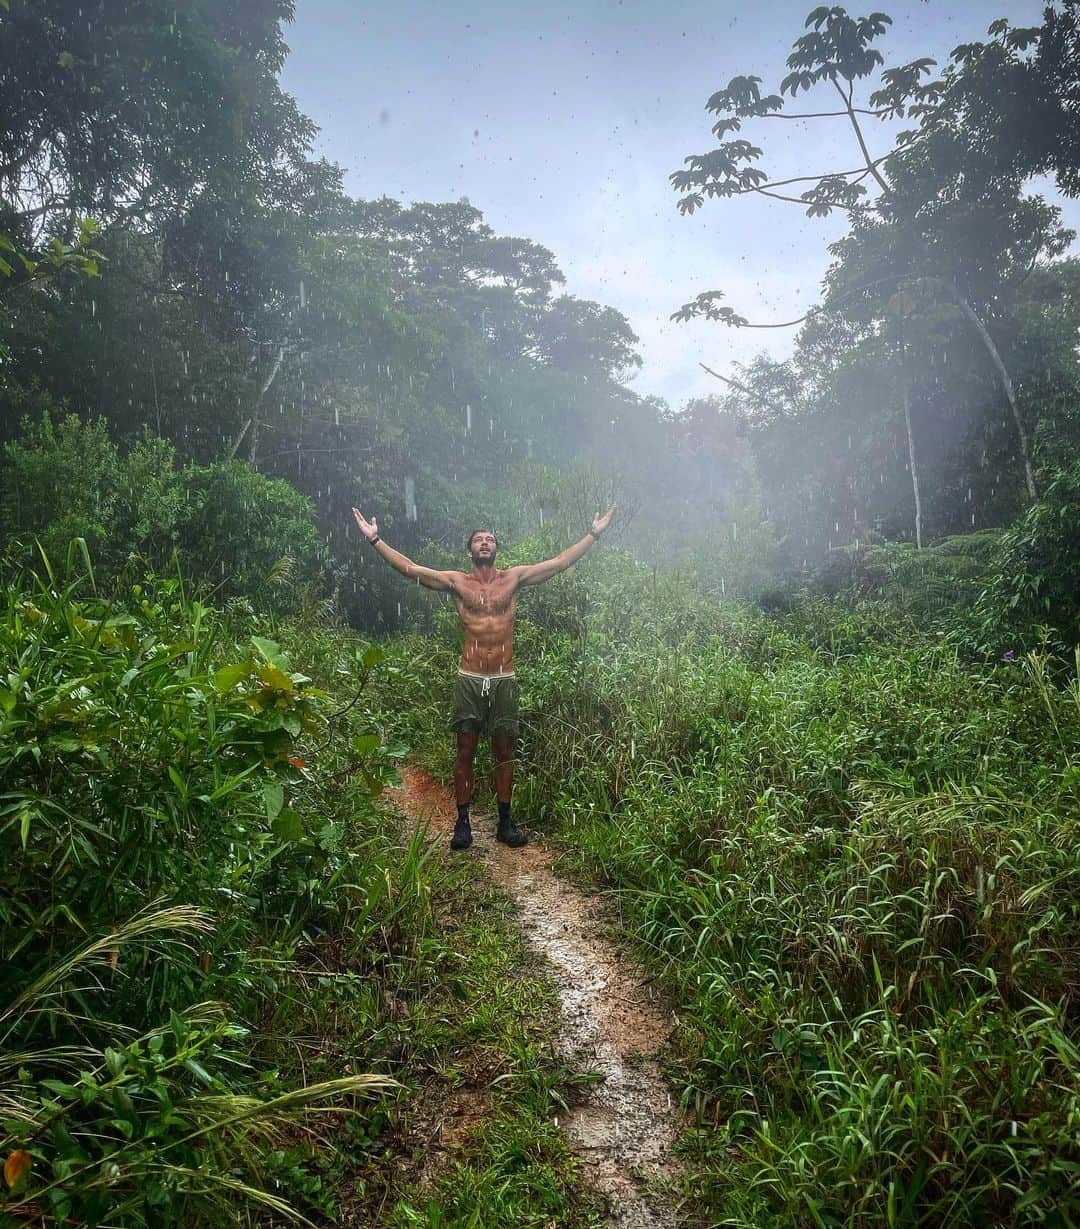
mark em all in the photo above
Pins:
pixel 502 751
pixel 463 787
pixel 467 742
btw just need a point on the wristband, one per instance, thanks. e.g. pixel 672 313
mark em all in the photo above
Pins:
pixel 374 540
pixel 595 535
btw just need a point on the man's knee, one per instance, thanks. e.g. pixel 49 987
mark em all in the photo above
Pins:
pixel 502 749
pixel 466 747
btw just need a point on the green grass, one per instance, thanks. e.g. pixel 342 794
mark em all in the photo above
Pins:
pixel 849 853
pixel 311 969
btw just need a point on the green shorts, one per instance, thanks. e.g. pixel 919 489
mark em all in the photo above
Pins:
pixel 485 705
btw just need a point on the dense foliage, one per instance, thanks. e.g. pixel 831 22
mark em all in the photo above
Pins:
pixel 815 731
pixel 241 306
pixel 150 774
pixel 850 856
pixel 212 936
pixel 246 535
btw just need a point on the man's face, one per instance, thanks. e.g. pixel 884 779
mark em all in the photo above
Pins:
pixel 482 547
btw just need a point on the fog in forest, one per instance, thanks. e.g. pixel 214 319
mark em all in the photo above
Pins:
pixel 503 265
pixel 718 361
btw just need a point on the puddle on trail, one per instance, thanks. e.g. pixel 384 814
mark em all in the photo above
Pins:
pixel 612 1024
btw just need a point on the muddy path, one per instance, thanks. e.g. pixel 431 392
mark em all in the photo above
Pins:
pixel 612 1023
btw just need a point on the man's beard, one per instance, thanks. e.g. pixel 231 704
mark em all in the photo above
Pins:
pixel 477 558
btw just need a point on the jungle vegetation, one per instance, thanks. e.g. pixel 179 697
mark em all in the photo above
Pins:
pixel 811 724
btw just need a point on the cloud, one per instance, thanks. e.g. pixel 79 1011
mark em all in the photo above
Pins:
pixel 629 247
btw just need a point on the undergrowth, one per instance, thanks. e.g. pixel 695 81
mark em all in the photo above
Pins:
pixel 849 852
pixel 230 972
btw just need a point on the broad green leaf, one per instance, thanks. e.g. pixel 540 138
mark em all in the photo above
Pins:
pixel 227 677
pixel 270 652
pixel 275 678
pixel 199 1072
pixel 288 826
pixel 274 797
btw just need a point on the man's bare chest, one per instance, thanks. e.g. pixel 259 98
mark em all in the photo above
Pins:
pixel 498 598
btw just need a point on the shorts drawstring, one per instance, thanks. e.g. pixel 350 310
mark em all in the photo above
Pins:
pixel 485 688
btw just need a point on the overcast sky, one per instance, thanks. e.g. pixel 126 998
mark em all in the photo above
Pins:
pixel 562 121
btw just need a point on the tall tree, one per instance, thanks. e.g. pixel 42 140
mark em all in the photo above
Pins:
pixel 939 213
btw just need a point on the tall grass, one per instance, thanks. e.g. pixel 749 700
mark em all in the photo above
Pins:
pixel 850 853
pixel 153 749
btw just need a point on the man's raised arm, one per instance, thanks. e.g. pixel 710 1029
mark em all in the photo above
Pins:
pixel 428 577
pixel 537 573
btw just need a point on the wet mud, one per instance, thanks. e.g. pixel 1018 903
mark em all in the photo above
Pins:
pixel 612 1024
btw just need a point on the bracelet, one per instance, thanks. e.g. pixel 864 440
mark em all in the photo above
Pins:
pixel 595 535
pixel 374 540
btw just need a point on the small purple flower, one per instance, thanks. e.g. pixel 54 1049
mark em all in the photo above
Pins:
pixel 1008 655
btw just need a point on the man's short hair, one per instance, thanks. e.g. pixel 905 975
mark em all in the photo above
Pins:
pixel 468 544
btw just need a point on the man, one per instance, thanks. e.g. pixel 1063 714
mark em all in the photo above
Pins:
pixel 486 693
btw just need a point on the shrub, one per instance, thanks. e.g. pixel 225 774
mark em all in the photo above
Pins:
pixel 66 479
pixel 1037 579
pixel 149 749
pixel 238 532
pixel 248 535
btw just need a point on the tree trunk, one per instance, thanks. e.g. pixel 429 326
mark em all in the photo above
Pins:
pixel 254 420
pixel 911 454
pixel 1006 381
pixel 239 439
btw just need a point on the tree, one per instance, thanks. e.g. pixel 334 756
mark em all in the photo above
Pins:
pixel 911 205
pixel 130 113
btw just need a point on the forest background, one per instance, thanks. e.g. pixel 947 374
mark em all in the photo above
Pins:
pixel 209 352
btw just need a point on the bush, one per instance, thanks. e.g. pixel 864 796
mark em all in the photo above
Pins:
pixel 66 479
pixel 151 749
pixel 1037 579
pixel 249 535
pixel 237 531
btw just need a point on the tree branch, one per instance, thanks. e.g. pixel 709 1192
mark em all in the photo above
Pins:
pixel 734 383
pixel 820 114
pixel 871 165
pixel 798 200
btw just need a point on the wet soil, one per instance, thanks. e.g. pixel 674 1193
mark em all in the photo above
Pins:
pixel 612 1024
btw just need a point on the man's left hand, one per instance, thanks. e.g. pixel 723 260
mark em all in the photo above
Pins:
pixel 602 520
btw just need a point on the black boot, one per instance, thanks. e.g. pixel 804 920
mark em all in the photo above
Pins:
pixel 462 837
pixel 507 831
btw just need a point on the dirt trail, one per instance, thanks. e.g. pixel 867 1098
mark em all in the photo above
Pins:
pixel 612 1024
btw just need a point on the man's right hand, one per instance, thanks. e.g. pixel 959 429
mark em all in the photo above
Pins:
pixel 370 529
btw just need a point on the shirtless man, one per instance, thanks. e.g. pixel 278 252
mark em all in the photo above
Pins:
pixel 486 692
